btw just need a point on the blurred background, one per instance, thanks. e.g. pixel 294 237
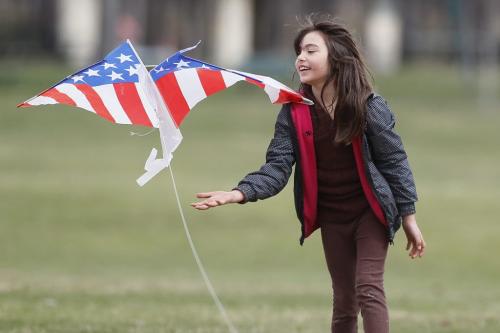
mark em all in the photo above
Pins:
pixel 84 249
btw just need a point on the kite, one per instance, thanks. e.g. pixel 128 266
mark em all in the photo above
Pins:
pixel 120 89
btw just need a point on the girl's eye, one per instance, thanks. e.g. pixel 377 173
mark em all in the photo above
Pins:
pixel 310 51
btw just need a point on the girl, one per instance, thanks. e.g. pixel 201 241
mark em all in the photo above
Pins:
pixel 352 178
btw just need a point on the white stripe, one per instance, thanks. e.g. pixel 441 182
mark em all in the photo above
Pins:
pixel 76 95
pixel 271 86
pixel 272 92
pixel 190 85
pixel 267 80
pixel 41 100
pixel 108 95
pixel 147 105
pixel 231 78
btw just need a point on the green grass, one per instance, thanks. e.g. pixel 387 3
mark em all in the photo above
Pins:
pixel 84 249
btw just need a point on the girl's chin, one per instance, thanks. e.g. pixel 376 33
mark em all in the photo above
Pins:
pixel 312 82
pixel 309 82
pixel 305 81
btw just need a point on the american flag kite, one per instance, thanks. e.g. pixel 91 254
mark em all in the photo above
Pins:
pixel 120 89
pixel 110 88
pixel 183 82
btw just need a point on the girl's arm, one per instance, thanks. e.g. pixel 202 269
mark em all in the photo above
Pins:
pixel 269 180
pixel 391 160
pixel 389 156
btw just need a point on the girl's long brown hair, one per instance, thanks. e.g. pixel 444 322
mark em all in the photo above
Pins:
pixel 348 72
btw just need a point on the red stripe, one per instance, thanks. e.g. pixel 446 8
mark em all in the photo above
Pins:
pixel 257 83
pixel 287 97
pixel 95 101
pixel 212 81
pixel 58 96
pixel 173 97
pixel 370 196
pixel 131 103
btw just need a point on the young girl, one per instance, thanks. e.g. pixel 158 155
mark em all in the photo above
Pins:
pixel 352 177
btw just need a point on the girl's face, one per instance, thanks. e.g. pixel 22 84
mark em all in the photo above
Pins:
pixel 312 60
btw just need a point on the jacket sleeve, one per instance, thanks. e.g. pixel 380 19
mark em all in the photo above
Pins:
pixel 389 156
pixel 273 176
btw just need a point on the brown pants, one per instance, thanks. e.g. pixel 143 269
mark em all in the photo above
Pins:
pixel 355 254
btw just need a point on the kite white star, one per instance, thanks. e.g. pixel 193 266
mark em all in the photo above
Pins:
pixel 133 70
pixel 115 76
pixel 77 78
pixel 108 65
pixel 91 72
pixel 182 63
pixel 159 70
pixel 205 66
pixel 124 58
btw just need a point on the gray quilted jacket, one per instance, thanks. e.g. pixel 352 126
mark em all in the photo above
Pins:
pixel 384 158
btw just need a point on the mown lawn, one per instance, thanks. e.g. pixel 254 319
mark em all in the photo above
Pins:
pixel 84 249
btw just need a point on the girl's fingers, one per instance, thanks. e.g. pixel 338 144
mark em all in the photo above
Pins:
pixel 212 199
pixel 414 249
pixel 417 249
pixel 200 203
pixel 204 194
pixel 421 247
pixel 208 203
pixel 201 207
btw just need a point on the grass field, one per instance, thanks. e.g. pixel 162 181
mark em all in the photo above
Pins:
pixel 84 249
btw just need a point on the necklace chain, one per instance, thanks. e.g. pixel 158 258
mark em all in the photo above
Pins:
pixel 330 109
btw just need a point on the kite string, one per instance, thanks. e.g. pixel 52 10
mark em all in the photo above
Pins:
pixel 231 327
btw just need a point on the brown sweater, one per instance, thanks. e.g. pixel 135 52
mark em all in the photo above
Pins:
pixel 340 195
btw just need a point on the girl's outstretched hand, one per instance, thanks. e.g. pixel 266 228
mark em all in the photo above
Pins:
pixel 414 236
pixel 217 198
